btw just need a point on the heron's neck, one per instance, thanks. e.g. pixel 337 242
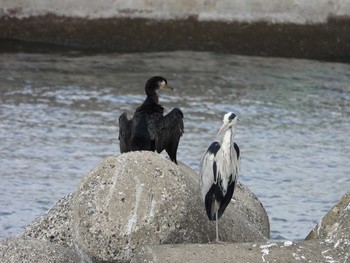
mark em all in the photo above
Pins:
pixel 226 163
pixel 227 140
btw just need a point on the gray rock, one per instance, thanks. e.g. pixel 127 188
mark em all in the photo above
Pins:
pixel 136 206
pixel 142 198
pixel 21 249
pixel 54 225
pixel 327 242
pixel 334 227
pixel 286 252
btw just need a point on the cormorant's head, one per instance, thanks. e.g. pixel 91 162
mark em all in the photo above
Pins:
pixel 156 83
pixel 230 119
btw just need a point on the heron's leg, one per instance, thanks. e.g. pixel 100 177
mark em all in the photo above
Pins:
pixel 217 205
pixel 217 226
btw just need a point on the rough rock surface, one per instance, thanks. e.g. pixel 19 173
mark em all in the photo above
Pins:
pixel 142 198
pixel 136 206
pixel 286 252
pixel 327 242
pixel 54 225
pixel 21 249
pixel 334 227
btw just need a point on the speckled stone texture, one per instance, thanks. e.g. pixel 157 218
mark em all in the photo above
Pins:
pixel 334 227
pixel 141 207
pixel 55 225
pixel 279 252
pixel 21 249
pixel 143 198
pixel 329 241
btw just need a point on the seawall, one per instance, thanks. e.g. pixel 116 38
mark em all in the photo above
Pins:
pixel 302 29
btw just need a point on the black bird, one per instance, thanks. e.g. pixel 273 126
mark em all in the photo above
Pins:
pixel 219 171
pixel 149 129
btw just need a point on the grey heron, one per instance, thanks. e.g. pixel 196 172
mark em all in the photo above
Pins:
pixel 149 129
pixel 219 171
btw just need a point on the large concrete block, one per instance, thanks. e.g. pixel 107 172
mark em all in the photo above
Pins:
pixel 142 198
pixel 335 225
pixel 281 252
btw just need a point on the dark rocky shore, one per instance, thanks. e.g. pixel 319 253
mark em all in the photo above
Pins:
pixel 322 41
pixel 140 206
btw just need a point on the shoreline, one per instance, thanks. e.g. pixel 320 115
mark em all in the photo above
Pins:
pixel 328 41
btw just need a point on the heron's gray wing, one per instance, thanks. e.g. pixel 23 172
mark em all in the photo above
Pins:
pixel 238 153
pixel 208 169
pixel 169 130
pixel 238 163
pixel 124 133
pixel 232 183
pixel 227 198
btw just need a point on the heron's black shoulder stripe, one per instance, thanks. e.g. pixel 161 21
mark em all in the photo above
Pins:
pixel 237 150
pixel 214 170
pixel 214 148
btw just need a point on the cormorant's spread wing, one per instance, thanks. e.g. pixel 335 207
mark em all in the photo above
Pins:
pixel 169 130
pixel 124 133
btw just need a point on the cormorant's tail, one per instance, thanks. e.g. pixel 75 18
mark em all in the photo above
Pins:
pixel 124 133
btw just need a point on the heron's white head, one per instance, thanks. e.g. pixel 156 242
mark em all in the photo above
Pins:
pixel 230 120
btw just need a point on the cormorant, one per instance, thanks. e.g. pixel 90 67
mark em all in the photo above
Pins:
pixel 149 129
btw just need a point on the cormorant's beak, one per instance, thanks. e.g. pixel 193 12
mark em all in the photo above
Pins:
pixel 167 87
pixel 222 129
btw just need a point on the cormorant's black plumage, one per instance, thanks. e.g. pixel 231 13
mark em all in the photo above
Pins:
pixel 149 129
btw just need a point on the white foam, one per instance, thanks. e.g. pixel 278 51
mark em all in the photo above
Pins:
pixel 265 250
pixel 288 243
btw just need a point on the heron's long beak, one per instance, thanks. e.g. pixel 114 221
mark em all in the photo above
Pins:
pixel 222 129
pixel 167 87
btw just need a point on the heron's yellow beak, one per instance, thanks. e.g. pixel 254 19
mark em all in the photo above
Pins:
pixel 222 129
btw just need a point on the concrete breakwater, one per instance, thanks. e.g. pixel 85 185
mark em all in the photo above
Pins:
pixel 139 206
pixel 317 29
pixel 134 199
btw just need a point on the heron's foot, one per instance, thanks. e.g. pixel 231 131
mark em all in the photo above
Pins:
pixel 218 241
